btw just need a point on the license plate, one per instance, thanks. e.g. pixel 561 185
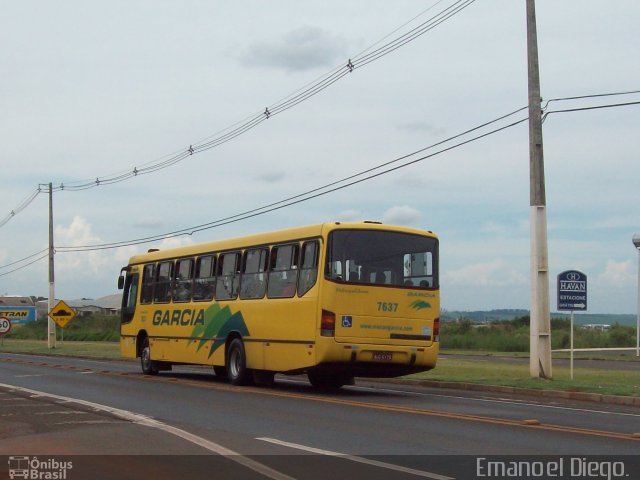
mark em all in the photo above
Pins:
pixel 383 356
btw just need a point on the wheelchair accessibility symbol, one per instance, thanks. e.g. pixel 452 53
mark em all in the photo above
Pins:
pixel 347 321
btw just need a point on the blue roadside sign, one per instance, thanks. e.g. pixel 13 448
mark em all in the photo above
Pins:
pixel 19 315
pixel 572 291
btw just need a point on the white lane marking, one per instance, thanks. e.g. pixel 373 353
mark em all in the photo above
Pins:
pixel 62 412
pixel 353 458
pixel 85 373
pixel 84 422
pixel 140 419
pixel 31 375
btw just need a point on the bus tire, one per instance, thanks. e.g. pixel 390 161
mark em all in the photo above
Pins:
pixel 149 367
pixel 237 369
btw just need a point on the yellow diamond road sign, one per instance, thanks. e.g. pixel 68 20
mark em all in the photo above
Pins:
pixel 62 314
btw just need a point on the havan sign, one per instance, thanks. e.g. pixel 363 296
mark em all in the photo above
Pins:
pixel 572 291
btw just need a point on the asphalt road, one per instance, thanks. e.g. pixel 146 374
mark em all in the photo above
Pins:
pixel 188 419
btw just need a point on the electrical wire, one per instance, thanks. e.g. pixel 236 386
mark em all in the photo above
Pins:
pixel 23 259
pixel 596 95
pixel 596 107
pixel 251 122
pixel 21 206
pixel 25 265
pixel 331 187
pixel 335 185
pixel 310 194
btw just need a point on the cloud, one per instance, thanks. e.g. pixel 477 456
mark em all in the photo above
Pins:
pixel 619 274
pixel 421 127
pixel 402 215
pixel 148 223
pixel 77 234
pixel 271 177
pixel 492 273
pixel 173 242
pixel 95 271
pixel 302 49
pixel 349 216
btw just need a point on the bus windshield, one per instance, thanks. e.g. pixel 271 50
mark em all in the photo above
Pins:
pixel 382 258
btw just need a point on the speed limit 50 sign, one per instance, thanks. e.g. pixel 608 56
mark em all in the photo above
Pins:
pixel 5 325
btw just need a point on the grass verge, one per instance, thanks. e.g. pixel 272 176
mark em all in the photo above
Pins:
pixel 110 350
pixel 592 380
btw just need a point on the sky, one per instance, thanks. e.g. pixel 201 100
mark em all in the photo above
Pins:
pixel 92 89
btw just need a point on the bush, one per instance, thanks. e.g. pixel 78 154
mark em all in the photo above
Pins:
pixel 620 336
pixel 514 336
pixel 97 328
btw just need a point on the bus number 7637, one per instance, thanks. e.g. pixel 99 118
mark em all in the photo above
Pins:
pixel 387 307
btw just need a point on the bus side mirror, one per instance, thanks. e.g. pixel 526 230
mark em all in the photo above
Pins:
pixel 120 282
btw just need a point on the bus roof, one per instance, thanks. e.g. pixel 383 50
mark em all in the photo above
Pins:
pixel 267 238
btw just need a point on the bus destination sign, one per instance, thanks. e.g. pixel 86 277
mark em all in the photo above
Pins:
pixel 572 291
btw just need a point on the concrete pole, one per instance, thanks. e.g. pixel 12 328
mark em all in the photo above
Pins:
pixel 636 243
pixel 51 326
pixel 638 312
pixel 540 326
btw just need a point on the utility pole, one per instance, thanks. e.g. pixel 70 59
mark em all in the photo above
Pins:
pixel 51 326
pixel 540 324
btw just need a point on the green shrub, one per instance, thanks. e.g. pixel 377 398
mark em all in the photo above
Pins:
pixel 105 328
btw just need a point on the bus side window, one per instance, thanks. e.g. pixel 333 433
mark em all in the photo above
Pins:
pixel 148 279
pixel 308 267
pixel 205 281
pixel 183 284
pixel 228 276
pixel 162 289
pixel 283 274
pixel 254 266
pixel 129 298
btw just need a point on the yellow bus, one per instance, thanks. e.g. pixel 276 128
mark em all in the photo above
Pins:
pixel 334 301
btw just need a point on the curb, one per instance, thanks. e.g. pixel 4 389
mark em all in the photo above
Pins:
pixel 532 392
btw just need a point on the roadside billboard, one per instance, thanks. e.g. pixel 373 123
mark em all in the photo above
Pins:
pixel 19 315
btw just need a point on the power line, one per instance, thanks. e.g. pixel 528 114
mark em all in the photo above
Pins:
pixel 310 194
pixel 582 97
pixel 251 122
pixel 46 255
pixel 334 185
pixel 21 206
pixel 328 188
pixel 596 107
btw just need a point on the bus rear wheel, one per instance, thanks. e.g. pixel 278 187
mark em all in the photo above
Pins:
pixel 237 369
pixel 149 367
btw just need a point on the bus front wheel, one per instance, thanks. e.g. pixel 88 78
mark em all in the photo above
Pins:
pixel 149 367
pixel 237 369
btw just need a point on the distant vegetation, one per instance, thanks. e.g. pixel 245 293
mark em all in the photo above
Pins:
pixel 490 316
pixel 513 335
pixel 104 328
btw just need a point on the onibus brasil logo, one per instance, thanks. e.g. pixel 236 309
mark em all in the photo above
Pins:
pixel 33 468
